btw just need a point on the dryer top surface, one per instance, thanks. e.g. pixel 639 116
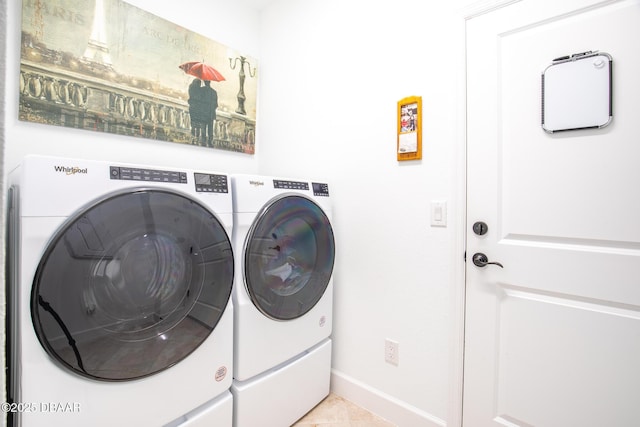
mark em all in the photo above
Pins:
pixel 252 192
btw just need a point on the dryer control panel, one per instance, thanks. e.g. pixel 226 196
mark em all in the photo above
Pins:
pixel 290 185
pixel 320 189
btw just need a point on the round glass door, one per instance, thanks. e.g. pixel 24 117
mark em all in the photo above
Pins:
pixel 132 285
pixel 289 255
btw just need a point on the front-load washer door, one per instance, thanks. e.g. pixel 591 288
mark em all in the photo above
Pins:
pixel 288 258
pixel 132 284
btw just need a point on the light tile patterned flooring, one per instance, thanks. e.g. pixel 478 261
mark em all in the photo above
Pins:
pixel 335 411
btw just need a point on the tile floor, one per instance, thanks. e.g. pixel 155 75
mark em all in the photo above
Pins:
pixel 334 411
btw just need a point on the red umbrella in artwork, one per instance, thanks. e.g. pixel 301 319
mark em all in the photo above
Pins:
pixel 202 71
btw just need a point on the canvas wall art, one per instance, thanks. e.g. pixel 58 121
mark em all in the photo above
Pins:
pixel 108 66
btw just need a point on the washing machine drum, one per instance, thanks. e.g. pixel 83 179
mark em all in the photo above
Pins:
pixel 289 255
pixel 132 285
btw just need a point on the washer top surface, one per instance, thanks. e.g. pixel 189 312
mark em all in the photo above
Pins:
pixel 53 186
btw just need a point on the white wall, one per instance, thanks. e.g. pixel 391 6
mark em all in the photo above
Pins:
pixel 331 72
pixel 334 71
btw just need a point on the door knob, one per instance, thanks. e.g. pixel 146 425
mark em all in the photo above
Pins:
pixel 480 260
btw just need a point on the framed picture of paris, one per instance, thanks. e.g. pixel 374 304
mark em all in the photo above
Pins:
pixel 108 66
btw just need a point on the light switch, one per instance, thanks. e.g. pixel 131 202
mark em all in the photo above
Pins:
pixel 438 213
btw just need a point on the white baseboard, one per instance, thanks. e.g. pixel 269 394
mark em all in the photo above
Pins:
pixel 381 404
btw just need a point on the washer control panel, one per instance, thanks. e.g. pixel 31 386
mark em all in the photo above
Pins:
pixel 204 182
pixel 211 183
pixel 290 185
pixel 320 189
pixel 139 174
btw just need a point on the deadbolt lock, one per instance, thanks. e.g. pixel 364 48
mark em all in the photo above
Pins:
pixel 480 228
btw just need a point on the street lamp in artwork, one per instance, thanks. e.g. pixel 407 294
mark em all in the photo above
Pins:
pixel 233 63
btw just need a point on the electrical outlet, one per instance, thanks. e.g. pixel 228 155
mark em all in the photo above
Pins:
pixel 391 352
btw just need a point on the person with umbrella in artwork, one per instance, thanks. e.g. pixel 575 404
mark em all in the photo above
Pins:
pixel 196 111
pixel 203 100
pixel 210 104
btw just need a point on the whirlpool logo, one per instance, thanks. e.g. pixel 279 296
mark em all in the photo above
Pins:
pixel 70 170
pixel 256 183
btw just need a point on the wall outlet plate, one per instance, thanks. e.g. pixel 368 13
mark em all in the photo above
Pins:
pixel 391 352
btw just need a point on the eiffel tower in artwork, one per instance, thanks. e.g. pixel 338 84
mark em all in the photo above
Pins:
pixel 97 51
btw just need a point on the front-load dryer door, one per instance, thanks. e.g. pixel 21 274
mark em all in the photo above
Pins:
pixel 288 257
pixel 132 284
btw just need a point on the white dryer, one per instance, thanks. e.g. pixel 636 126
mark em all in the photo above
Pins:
pixel 119 301
pixel 283 298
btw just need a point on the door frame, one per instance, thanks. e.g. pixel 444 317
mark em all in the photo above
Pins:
pixel 458 274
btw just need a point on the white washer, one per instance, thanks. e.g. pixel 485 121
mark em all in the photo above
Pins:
pixel 119 305
pixel 283 298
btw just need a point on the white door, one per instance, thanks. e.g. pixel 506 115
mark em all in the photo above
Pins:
pixel 553 338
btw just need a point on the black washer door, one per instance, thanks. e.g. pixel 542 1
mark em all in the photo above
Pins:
pixel 289 257
pixel 132 285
